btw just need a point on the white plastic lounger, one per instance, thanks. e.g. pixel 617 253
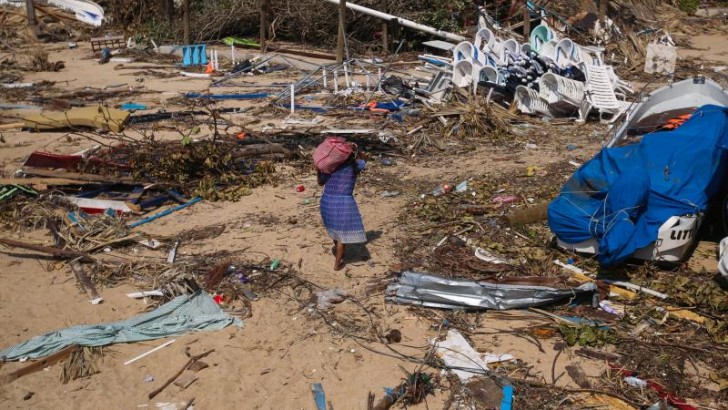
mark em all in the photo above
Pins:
pixel 600 94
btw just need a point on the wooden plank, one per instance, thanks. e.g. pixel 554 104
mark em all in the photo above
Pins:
pixel 40 181
pixel 39 365
pixel 79 177
pixel 60 253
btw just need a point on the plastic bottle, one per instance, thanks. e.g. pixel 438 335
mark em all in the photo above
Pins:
pixel 442 190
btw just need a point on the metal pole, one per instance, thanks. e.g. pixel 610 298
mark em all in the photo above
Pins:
pixel 403 22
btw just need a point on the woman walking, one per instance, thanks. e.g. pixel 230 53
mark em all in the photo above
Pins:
pixel 338 208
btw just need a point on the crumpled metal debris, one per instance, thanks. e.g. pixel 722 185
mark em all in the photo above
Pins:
pixel 422 289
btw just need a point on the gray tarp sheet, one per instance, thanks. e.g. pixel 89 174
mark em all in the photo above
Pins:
pixel 414 288
pixel 181 315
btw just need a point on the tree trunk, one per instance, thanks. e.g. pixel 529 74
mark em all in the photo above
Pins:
pixel 186 21
pixel 342 32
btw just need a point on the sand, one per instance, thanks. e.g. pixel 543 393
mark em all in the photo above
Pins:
pixel 272 361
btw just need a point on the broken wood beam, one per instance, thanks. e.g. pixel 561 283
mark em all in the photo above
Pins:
pixel 80 177
pixel 38 365
pixel 59 253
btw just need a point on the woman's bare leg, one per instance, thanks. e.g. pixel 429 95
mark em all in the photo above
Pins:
pixel 340 247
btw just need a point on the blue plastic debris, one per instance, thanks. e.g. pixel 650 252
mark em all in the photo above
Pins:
pixel 195 54
pixel 133 107
pixel 507 402
pixel 319 397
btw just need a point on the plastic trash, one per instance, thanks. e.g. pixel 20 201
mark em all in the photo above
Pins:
pixel 723 258
pixel 300 188
pixel 328 298
pixel 389 194
pixel 276 263
pixel 506 199
pixel 441 190
pixel 319 397
pixel 460 357
pixel 387 162
pixel 461 187
pixel 635 382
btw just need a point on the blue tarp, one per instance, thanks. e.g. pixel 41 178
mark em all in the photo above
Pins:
pixel 624 194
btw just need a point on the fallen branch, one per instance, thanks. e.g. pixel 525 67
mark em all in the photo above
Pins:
pixel 171 380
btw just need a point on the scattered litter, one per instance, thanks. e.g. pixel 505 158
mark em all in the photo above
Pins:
pixel 163 345
pixel 460 357
pixel 328 298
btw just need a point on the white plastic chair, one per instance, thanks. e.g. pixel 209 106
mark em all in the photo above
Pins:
pixel 484 38
pixel 548 51
pixel 541 35
pixel 528 101
pixel 509 50
pixel 562 94
pixel 565 53
pixel 462 73
pixel 490 75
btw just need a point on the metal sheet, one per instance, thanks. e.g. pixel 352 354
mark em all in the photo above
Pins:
pixel 414 288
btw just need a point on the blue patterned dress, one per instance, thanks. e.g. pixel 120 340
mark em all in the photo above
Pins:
pixel 338 208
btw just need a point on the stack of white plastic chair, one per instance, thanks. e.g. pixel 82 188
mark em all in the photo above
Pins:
pixel 600 94
pixel 467 61
pixel 562 94
pixel 509 51
pixel 529 101
pixel 547 52
pixel 540 35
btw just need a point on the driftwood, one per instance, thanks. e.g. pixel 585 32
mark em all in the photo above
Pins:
pixel 171 380
pixel 262 149
pixel 59 253
pixel 39 365
pixel 525 216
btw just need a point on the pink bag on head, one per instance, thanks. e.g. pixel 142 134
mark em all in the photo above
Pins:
pixel 331 153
